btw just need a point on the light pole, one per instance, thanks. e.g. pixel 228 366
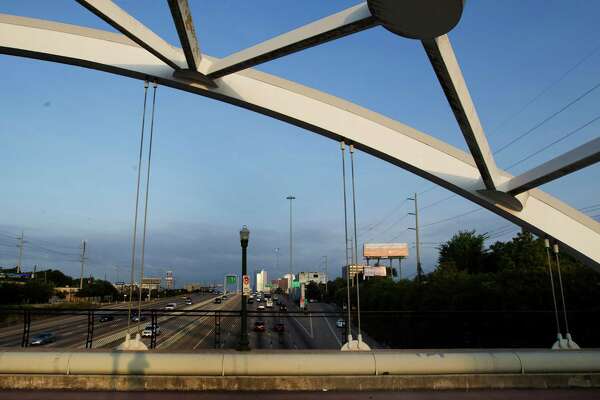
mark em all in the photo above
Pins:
pixel 290 198
pixel 243 345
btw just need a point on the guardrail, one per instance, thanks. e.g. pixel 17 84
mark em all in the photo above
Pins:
pixel 387 329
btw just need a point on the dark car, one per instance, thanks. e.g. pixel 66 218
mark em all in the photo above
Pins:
pixel 250 301
pixel 43 338
pixel 283 307
pixel 136 318
pixel 259 326
pixel 279 327
pixel 106 318
pixel 217 300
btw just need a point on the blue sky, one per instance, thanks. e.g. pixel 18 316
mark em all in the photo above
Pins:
pixel 69 138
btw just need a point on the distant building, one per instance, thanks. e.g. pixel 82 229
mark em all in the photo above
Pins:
pixel 170 280
pixel 316 277
pixel 190 287
pixel 151 284
pixel 262 281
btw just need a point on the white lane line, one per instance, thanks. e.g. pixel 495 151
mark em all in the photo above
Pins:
pixel 332 331
pixel 202 340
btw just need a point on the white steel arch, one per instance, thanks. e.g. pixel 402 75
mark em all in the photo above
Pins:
pixel 329 116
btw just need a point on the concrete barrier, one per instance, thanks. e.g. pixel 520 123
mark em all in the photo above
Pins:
pixel 299 363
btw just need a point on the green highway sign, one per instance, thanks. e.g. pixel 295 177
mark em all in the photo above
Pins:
pixel 231 280
pixel 295 284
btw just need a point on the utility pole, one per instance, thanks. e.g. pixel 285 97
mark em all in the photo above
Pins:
pixel 20 246
pixel 326 277
pixel 416 229
pixel 277 259
pixel 82 259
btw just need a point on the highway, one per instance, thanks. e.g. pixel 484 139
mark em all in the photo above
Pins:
pixel 200 331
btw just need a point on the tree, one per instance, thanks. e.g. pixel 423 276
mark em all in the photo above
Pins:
pixel 465 251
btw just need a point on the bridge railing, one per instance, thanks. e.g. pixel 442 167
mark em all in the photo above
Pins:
pixel 200 329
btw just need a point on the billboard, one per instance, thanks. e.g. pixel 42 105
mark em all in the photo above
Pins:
pixel 374 271
pixel 385 250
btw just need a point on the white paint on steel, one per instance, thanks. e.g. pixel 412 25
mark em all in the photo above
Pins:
pixel 331 23
pixel 326 115
pixel 569 162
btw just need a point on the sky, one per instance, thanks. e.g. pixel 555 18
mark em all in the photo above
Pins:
pixel 69 140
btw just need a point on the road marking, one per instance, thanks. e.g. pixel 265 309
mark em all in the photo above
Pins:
pixel 305 330
pixel 202 340
pixel 332 331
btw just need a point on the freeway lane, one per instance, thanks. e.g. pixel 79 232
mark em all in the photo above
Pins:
pixel 70 330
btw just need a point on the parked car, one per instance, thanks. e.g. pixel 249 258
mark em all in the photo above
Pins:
pixel 279 327
pixel 217 300
pixel 106 318
pixel 147 332
pixel 259 326
pixel 43 338
pixel 170 306
pixel 340 323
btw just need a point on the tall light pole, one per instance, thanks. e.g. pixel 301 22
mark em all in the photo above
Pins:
pixel 244 237
pixel 277 259
pixel 326 277
pixel 82 259
pixel 20 246
pixel 290 198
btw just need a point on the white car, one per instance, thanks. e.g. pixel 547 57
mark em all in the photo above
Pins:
pixel 340 323
pixel 147 332
pixel 269 303
pixel 170 306
pixel 260 307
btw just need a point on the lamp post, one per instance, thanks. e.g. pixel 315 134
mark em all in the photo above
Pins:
pixel 243 345
pixel 290 198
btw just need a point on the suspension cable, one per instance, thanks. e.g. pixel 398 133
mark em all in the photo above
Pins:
pixel 154 86
pixel 355 240
pixel 560 284
pixel 137 200
pixel 547 245
pixel 349 324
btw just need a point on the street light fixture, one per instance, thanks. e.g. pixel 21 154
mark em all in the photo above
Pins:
pixel 244 344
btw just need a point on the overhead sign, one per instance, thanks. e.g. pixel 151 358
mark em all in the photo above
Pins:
pixel 295 284
pixel 385 250
pixel 246 285
pixel 231 279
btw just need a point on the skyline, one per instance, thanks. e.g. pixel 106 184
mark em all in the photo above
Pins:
pixel 70 167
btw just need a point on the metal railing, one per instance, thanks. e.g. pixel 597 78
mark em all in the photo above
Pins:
pixel 201 328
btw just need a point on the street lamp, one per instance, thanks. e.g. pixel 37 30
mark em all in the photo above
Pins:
pixel 243 345
pixel 290 198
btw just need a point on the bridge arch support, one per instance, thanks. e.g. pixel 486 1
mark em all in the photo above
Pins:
pixel 313 110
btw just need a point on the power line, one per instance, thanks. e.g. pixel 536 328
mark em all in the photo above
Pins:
pixel 554 142
pixel 546 89
pixel 451 218
pixel 550 117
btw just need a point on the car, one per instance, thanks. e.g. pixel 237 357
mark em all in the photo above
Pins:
pixel 43 338
pixel 269 303
pixel 217 300
pixel 106 318
pixel 136 318
pixel 312 300
pixel 147 332
pixel 259 326
pixel 279 327
pixel 340 323
pixel 188 302
pixel 224 297
pixel 250 301
pixel 260 307
pixel 283 308
pixel 170 306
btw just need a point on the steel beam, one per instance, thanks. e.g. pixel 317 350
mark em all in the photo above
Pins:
pixel 135 30
pixel 313 110
pixel 182 17
pixel 446 67
pixel 574 160
pixel 351 20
